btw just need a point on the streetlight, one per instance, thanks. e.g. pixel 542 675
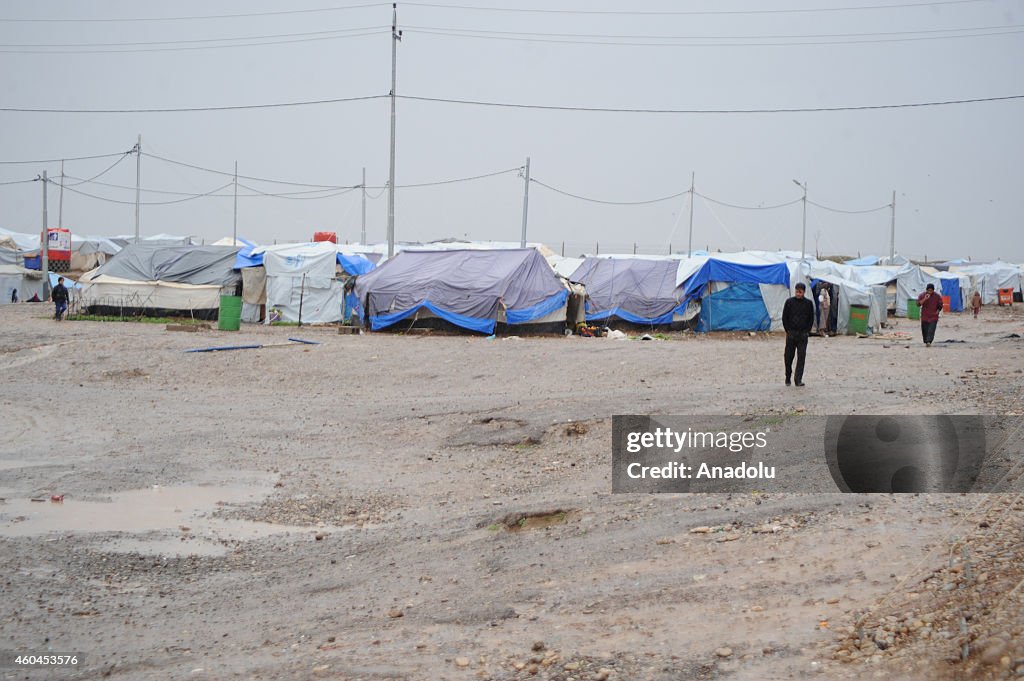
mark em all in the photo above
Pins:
pixel 803 237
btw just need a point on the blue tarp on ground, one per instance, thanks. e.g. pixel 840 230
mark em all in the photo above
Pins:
pixel 951 288
pixel 737 308
pixel 719 270
pixel 465 287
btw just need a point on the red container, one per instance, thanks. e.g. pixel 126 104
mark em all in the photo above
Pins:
pixel 1006 296
pixel 325 236
pixel 945 303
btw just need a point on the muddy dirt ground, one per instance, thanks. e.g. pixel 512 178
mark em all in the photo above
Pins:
pixel 439 507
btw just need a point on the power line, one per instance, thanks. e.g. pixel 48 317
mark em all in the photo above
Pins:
pixel 292 195
pixel 610 203
pixel 732 205
pixel 196 47
pixel 458 179
pixel 322 187
pixel 101 173
pixel 866 107
pixel 509 105
pixel 150 203
pixel 850 212
pixel 132 187
pixel 195 108
pixel 58 160
pixel 482 35
pixel 4 184
pixel 244 177
pixel 196 40
pixel 1006 28
pixel 695 12
pixel 196 17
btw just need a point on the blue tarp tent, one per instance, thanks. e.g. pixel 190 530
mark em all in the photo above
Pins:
pixel 740 307
pixel 473 289
pixel 751 298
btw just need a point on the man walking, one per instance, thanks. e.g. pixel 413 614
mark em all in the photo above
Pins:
pixel 797 320
pixel 931 305
pixel 59 296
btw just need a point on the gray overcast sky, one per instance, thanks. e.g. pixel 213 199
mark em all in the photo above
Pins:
pixel 956 169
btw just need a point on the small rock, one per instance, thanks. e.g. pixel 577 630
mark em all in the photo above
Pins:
pixel 538 646
pixel 395 612
pixel 723 652
pixel 462 661
pixel 571 666
pixel 704 529
pixel 993 650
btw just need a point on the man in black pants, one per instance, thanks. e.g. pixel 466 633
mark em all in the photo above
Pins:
pixel 797 320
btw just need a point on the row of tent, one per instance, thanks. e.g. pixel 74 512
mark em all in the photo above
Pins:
pixel 481 286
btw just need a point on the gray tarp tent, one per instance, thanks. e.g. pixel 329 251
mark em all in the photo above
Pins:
pixel 152 279
pixel 197 265
pixel 637 290
pixel 473 289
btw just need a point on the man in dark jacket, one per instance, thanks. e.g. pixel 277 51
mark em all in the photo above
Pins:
pixel 59 296
pixel 797 320
pixel 930 303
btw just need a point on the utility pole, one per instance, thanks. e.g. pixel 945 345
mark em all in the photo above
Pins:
pixel 396 35
pixel 234 225
pixel 803 237
pixel 45 244
pixel 60 209
pixel 138 179
pixel 892 230
pixel 689 243
pixel 526 201
pixel 362 233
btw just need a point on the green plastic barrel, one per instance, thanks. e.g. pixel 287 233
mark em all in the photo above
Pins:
pixel 913 310
pixel 858 319
pixel 230 316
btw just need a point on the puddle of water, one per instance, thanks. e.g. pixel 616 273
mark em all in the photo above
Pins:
pixel 179 517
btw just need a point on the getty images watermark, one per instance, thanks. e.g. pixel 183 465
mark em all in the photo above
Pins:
pixel 791 453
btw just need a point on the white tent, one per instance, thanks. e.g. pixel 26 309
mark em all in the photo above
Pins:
pixel 991 277
pixel 25 282
pixel 302 275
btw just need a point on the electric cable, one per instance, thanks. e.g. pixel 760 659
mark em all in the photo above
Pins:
pixel 865 107
pixel 610 203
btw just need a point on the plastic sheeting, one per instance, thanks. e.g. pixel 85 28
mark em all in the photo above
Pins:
pixel 720 270
pixel 301 277
pixel 108 291
pixel 736 307
pixel 254 285
pixel 990 278
pixel 642 291
pixel 196 265
pixel 871 297
pixel 26 282
pixel 465 287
